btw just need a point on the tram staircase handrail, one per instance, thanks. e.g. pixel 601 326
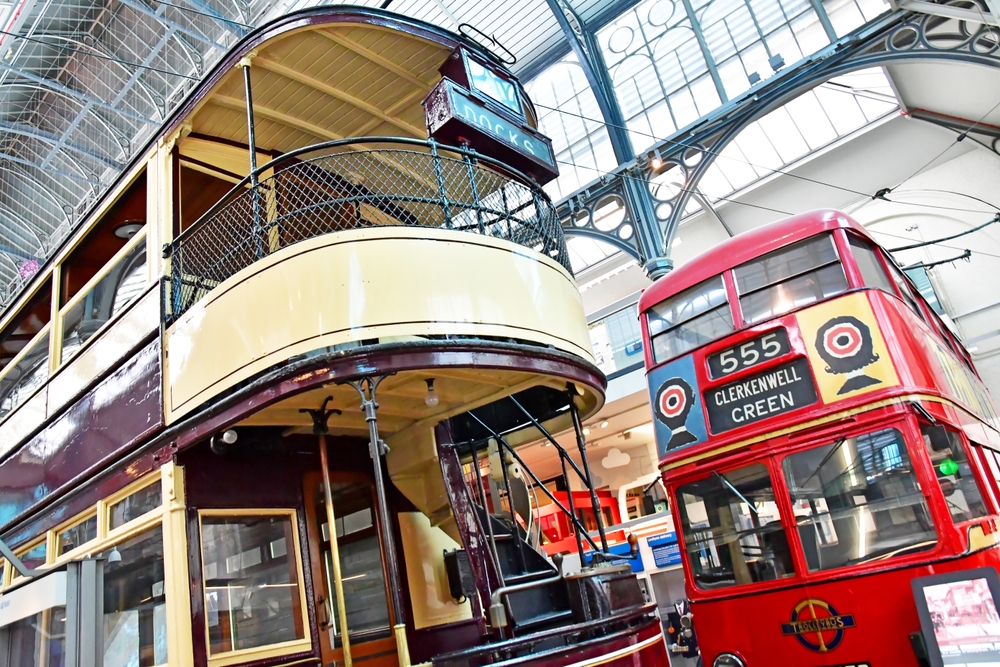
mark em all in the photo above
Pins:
pixel 357 183
pixel 531 595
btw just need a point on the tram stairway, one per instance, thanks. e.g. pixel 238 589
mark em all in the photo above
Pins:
pixel 540 607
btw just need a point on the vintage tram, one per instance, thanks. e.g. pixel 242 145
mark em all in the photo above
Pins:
pixel 264 406
pixel 830 453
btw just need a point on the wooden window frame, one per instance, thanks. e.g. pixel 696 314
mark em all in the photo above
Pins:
pixel 270 650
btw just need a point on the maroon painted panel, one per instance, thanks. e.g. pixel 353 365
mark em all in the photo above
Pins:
pixel 102 426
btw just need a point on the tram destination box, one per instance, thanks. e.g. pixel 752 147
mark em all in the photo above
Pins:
pixel 484 110
pixel 959 617
pixel 775 391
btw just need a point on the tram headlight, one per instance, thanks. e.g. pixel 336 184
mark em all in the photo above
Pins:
pixel 728 660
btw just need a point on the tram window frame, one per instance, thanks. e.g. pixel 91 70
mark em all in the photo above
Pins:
pixel 904 455
pixel 744 290
pixel 729 486
pixel 264 651
pixel 704 290
pixel 938 438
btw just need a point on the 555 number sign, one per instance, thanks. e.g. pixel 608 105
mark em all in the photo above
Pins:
pixel 745 355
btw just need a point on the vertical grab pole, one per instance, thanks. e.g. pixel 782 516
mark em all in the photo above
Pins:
pixel 581 442
pixel 366 387
pixel 252 140
pixel 338 578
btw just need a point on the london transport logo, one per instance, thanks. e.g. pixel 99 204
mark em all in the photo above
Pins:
pixel 817 625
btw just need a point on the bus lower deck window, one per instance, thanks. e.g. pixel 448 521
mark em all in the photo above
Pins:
pixel 856 500
pixel 789 278
pixel 954 473
pixel 732 529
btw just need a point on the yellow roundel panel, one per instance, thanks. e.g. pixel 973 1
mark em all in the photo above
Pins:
pixel 846 349
pixel 368 284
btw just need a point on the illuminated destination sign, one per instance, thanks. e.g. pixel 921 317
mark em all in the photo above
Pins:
pixel 782 389
pixel 455 117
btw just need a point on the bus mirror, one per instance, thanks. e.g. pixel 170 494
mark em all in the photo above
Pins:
pixel 937 437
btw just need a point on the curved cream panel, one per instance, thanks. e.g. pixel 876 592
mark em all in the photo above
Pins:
pixel 364 284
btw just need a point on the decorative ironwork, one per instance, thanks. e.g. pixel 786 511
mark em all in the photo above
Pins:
pixel 686 156
pixel 354 184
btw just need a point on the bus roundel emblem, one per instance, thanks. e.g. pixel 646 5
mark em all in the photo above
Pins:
pixel 672 401
pixel 843 340
pixel 817 625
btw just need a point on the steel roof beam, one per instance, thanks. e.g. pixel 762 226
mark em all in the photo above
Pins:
pixel 48 170
pixel 54 139
pixel 138 6
pixel 75 94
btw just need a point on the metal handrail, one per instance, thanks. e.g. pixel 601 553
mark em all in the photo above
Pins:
pixel 378 181
pixel 284 157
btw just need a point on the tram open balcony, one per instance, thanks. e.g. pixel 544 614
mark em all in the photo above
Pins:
pixel 361 241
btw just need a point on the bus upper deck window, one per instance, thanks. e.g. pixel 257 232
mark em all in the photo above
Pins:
pixel 857 500
pixel 872 271
pixel 732 529
pixel 954 473
pixel 696 316
pixel 789 278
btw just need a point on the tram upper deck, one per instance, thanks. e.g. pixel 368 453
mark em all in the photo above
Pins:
pixel 224 313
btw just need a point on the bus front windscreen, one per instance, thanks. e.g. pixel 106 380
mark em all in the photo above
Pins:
pixel 857 500
pixel 732 529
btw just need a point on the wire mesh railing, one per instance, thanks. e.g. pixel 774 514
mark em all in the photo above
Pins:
pixel 353 184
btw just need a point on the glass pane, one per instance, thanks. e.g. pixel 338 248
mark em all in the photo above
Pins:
pixel 617 340
pixel 693 333
pixel 360 559
pixel 904 288
pixel 135 604
pixel 686 305
pixel 35 556
pixel 857 500
pixel 252 595
pixel 785 263
pixel 21 381
pixel 793 293
pixel 954 473
pixel 112 293
pixel 38 641
pixel 78 535
pixel 732 529
pixel 142 501
pixel 872 271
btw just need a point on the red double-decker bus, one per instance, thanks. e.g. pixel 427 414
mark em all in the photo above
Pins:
pixel 829 451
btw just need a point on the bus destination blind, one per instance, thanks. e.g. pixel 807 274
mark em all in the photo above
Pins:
pixel 778 390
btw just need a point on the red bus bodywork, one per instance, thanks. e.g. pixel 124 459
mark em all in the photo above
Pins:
pixel 921 372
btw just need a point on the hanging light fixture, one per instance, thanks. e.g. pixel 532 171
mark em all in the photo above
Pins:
pixel 432 397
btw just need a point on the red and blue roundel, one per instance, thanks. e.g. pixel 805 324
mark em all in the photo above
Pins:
pixel 677 408
pixel 817 625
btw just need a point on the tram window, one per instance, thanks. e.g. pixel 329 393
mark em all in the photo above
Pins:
pixel 107 297
pixel 142 501
pixel 252 589
pixel 37 641
pixel 77 535
pixel 954 473
pixel 872 271
pixel 360 560
pixel 694 317
pixel 856 500
pixel 36 556
pixel 789 278
pixel 732 529
pixel 135 603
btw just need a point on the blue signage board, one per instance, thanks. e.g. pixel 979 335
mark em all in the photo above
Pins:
pixel 666 551
pixel 676 401
pixel 624 549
